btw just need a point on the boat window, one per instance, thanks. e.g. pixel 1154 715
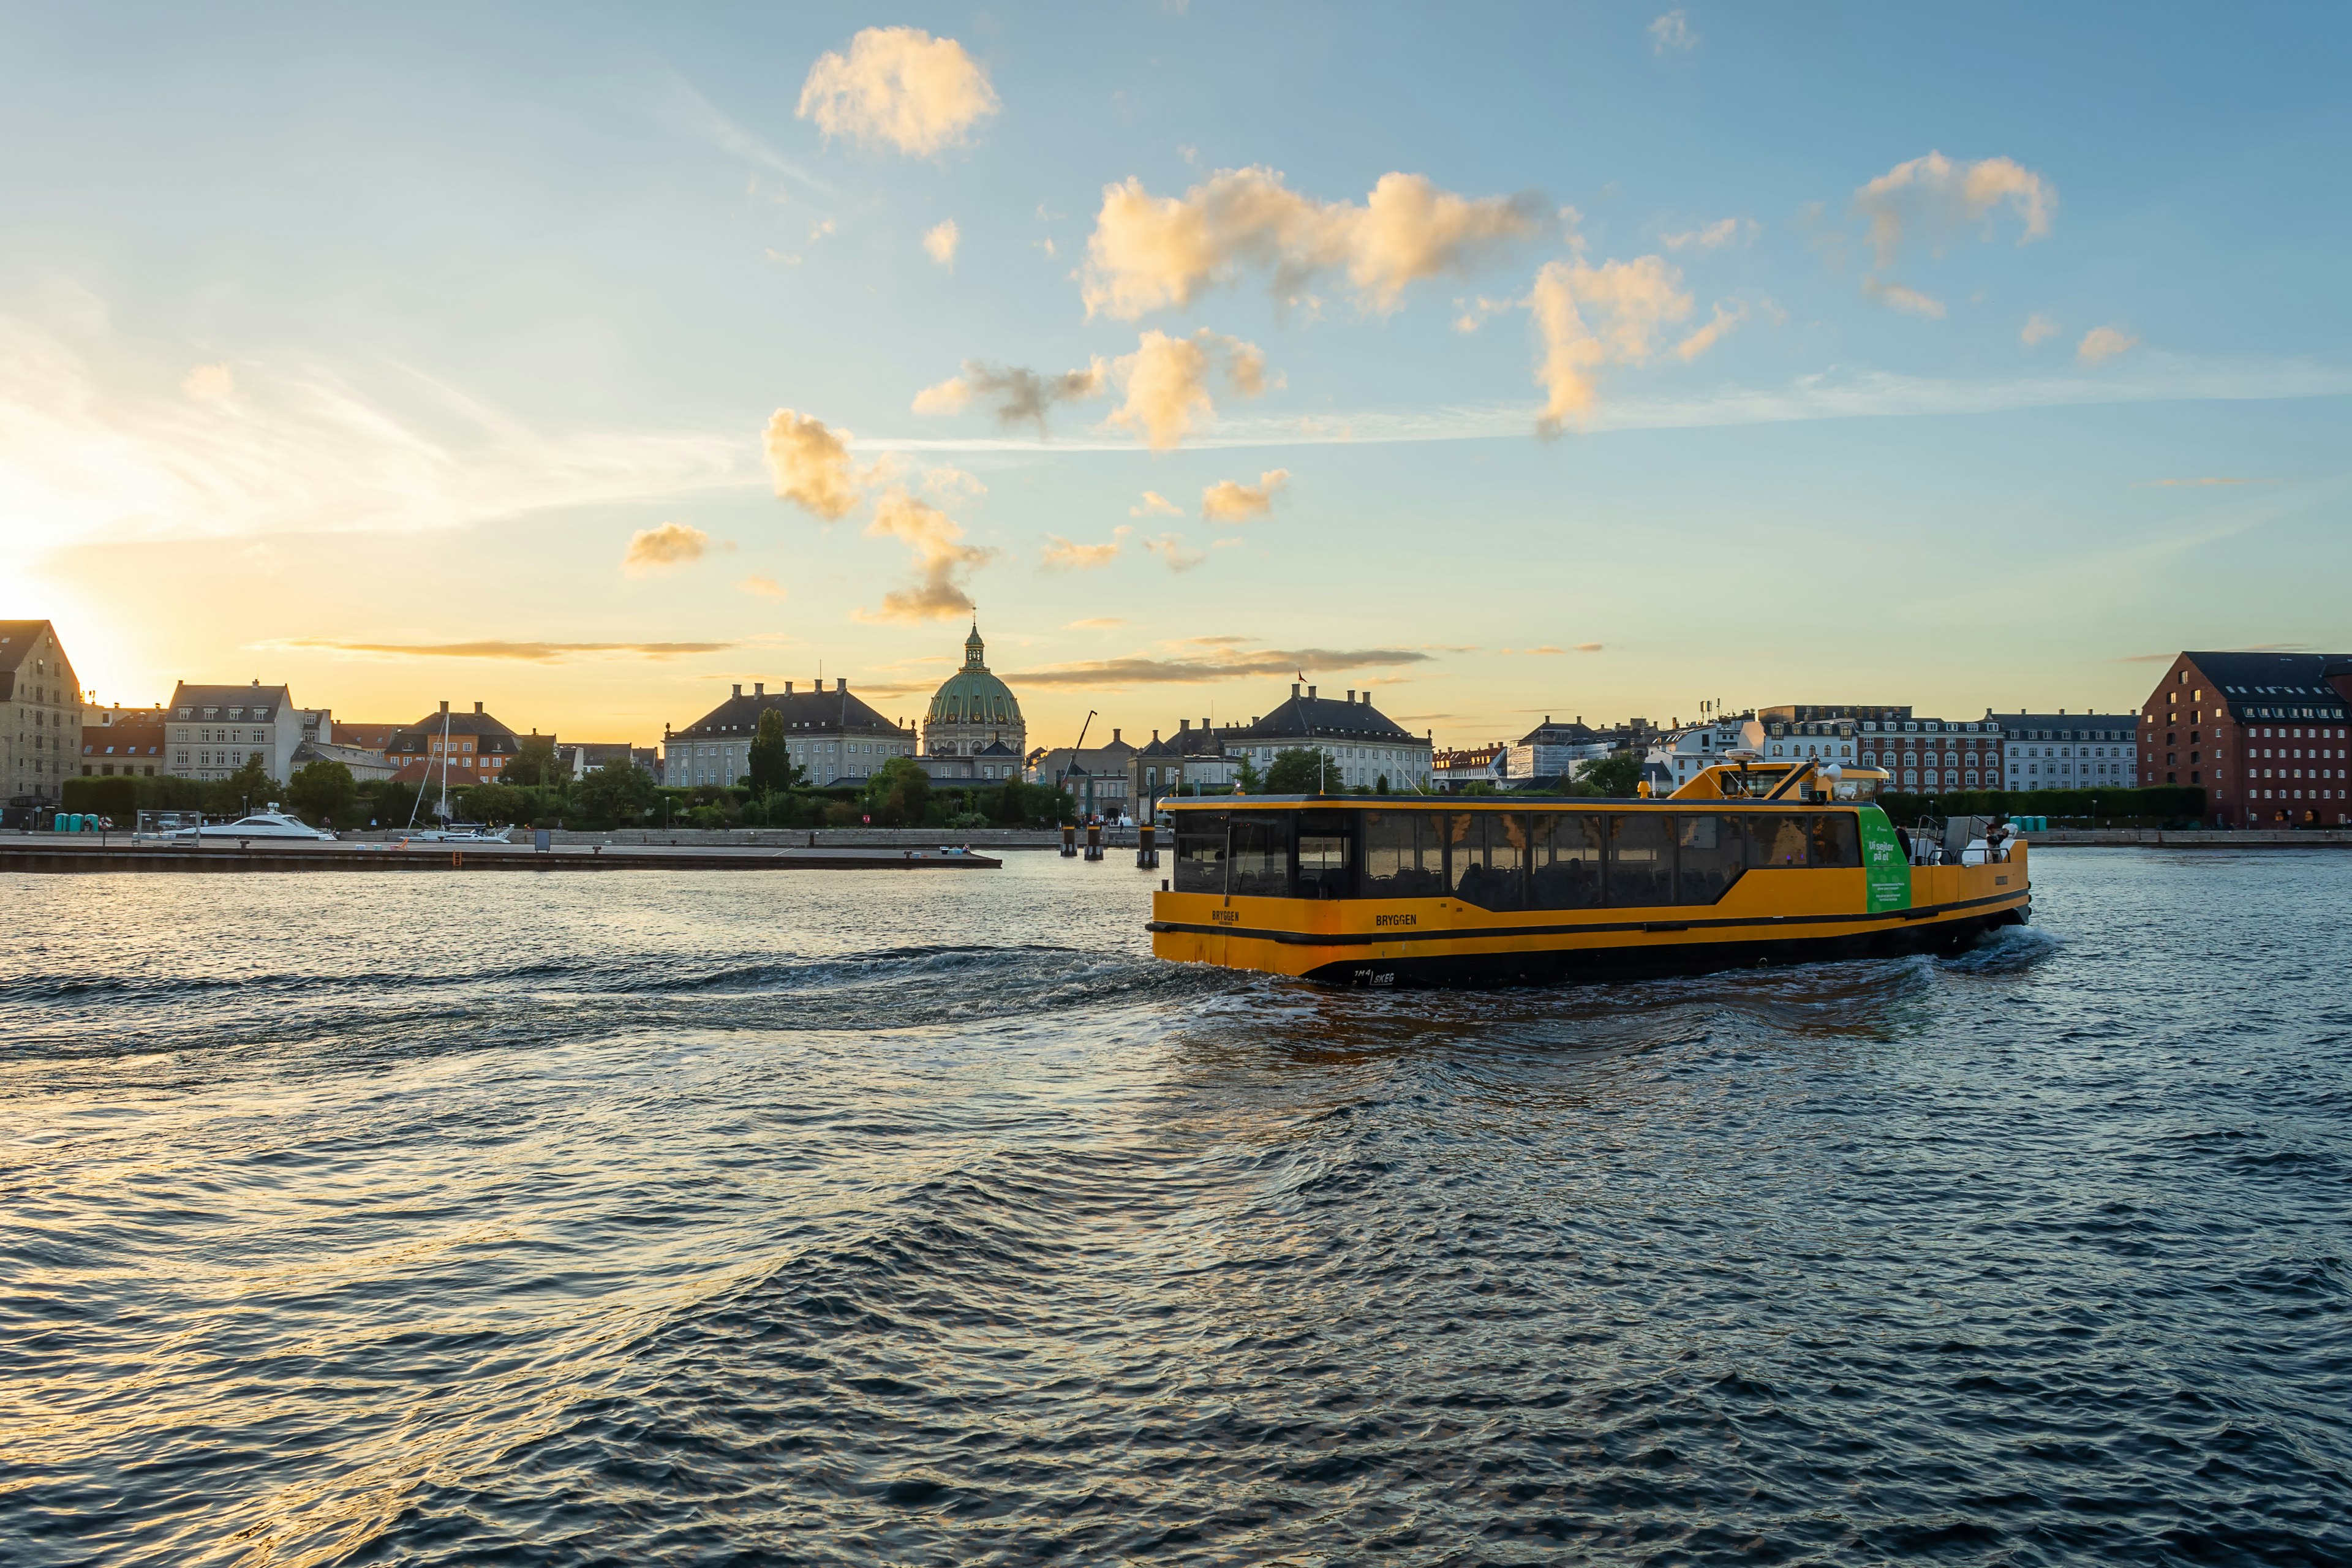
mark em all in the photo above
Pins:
pixel 1325 868
pixel 1710 854
pixel 1564 861
pixel 1261 855
pixel 1200 853
pixel 1782 840
pixel 1836 840
pixel 1485 857
pixel 1401 857
pixel 1641 859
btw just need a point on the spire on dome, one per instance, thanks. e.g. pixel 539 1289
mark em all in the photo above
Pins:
pixel 974 649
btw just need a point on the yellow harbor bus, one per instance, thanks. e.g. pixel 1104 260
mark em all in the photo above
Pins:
pixel 1743 865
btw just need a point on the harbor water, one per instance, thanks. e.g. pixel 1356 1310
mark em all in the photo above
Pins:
pixel 878 1218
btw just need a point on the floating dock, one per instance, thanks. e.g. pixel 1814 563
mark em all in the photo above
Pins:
pixel 85 853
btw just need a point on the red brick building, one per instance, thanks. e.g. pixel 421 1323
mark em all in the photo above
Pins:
pixel 2263 734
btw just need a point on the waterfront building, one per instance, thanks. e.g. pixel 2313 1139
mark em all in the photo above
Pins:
pixel 1817 737
pixel 584 757
pixel 2068 750
pixel 1457 768
pixel 1684 752
pixel 1364 745
pixel 122 743
pixel 1925 756
pixel 973 711
pixel 837 738
pixel 2263 734
pixel 40 714
pixel 216 730
pixel 1552 750
pixel 1098 778
pixel 461 748
pixel 366 736
pixel 989 766
pixel 1190 761
pixel 357 761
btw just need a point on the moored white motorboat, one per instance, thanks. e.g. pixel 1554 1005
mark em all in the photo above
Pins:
pixel 270 824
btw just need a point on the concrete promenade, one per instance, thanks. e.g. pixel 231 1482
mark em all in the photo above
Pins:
pixel 85 853
pixel 2193 838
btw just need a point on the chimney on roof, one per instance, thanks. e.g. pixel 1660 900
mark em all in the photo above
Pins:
pixel 758 689
pixel 477 708
pixel 1113 734
pixel 1183 723
pixel 1293 689
pixel 841 683
pixel 739 689
pixel 1351 694
pixel 1310 693
pixel 444 707
pixel 1155 737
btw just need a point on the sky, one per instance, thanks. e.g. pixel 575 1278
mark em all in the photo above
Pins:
pixel 1591 361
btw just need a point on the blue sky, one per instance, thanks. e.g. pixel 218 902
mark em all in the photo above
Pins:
pixel 331 343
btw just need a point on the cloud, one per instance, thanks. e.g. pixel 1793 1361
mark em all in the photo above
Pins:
pixel 943 560
pixel 1154 504
pixel 1229 501
pixel 1627 302
pixel 1725 318
pixel 1672 32
pixel 940 242
pixel 1711 236
pixel 2203 483
pixel 1096 624
pixel 671 544
pixel 898 87
pixel 1171 550
pixel 952 485
pixel 210 384
pixel 763 585
pixel 1167 382
pixel 1587 647
pixel 527 652
pixel 1935 198
pixel 1063 555
pixel 821 228
pixel 2036 328
pixel 1148 252
pixel 2102 343
pixel 1228 664
pixel 1910 301
pixel 1018 396
pixel 811 464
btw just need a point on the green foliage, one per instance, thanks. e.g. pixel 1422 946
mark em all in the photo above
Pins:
pixel 387 802
pixel 1617 775
pixel 1252 781
pixel 536 763
pixel 1480 786
pixel 115 799
pixel 2154 806
pixel 169 793
pixel 322 792
pixel 504 804
pixel 899 792
pixel 246 790
pixel 1381 785
pixel 967 819
pixel 1297 769
pixel 618 794
pixel 772 768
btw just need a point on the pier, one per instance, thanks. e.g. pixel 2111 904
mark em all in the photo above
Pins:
pixel 81 853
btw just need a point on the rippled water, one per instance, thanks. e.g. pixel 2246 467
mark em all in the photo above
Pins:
pixel 923 1217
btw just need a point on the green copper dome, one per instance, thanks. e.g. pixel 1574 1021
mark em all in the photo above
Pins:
pixel 972 695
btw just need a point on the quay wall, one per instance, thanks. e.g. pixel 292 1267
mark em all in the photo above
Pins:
pixel 2191 838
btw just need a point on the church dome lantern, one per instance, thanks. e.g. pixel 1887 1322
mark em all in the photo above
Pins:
pixel 972 708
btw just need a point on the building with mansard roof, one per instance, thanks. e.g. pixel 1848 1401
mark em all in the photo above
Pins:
pixel 40 715
pixel 1363 744
pixel 836 738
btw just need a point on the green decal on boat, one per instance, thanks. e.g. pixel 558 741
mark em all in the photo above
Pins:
pixel 1885 869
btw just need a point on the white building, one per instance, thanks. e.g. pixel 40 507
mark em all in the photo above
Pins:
pixel 1552 750
pixel 216 730
pixel 1363 744
pixel 1685 753
pixel 2068 750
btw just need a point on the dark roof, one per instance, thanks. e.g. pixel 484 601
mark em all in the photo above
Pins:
pixel 2277 685
pixel 1323 718
pixel 834 712
pixel 996 749
pixel 488 734
pixel 221 698
pixel 16 640
pixel 2025 726
pixel 1569 734
pixel 1186 743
